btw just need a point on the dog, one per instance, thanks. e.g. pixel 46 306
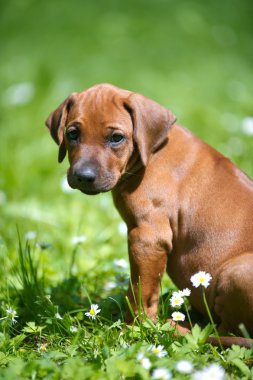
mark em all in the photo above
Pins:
pixel 187 207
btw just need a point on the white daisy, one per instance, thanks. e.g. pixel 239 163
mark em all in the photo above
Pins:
pixel 158 350
pixel 201 278
pixel 120 264
pixel 161 374
pixel 177 316
pixel 184 366
pixel 12 314
pixel 247 125
pixel 185 292
pixel 30 235
pixel 42 348
pixel 145 362
pixel 212 372
pixel 122 228
pixel 73 329
pixel 94 310
pixel 110 285
pixel 78 239
pixel 176 300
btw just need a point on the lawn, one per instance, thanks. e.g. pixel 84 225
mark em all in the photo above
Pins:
pixel 62 251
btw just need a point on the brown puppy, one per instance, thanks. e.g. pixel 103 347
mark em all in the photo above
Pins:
pixel 187 207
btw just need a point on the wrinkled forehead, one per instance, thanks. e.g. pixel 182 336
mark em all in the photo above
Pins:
pixel 100 104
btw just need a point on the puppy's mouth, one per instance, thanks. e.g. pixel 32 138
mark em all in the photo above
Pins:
pixel 98 185
pixel 93 191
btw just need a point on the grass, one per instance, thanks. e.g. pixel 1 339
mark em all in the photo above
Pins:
pixel 194 57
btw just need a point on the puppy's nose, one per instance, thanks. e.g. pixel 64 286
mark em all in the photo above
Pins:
pixel 86 175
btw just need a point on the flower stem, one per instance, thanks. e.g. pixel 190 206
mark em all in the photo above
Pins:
pixel 211 318
pixel 188 315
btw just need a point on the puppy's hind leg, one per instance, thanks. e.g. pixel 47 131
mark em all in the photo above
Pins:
pixel 233 302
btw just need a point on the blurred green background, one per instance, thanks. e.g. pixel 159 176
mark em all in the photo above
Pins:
pixel 194 57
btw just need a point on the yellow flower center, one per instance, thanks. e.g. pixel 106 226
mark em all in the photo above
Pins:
pixel 43 347
pixel 201 280
pixel 156 351
pixel 92 311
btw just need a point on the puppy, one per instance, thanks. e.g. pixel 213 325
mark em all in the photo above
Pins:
pixel 187 207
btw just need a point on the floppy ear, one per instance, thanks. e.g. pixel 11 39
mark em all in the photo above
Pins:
pixel 56 122
pixel 151 123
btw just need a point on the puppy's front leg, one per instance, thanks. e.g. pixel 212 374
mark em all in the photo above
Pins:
pixel 148 260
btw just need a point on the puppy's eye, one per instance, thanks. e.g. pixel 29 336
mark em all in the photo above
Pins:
pixel 72 134
pixel 116 138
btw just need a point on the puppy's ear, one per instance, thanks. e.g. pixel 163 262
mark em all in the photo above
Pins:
pixel 151 123
pixel 56 122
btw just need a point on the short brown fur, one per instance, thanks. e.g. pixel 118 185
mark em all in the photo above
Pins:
pixel 186 206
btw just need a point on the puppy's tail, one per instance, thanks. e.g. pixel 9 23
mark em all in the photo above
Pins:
pixel 228 341
pixel 225 341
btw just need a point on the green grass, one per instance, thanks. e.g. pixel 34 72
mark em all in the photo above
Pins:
pixel 194 57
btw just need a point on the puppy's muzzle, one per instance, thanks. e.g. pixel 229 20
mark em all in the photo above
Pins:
pixel 85 176
pixel 90 178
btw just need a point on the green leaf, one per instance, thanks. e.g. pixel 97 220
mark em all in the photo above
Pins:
pixel 198 336
pixel 32 328
pixel 17 340
pixel 196 331
pixel 149 324
pixel 3 359
pixel 238 352
pixel 192 341
pixel 205 333
pixel 72 350
pixel 242 366
pixel 167 327
pixel 118 324
pixel 125 368
pixel 57 355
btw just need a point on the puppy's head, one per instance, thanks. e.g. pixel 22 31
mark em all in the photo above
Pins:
pixel 103 129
